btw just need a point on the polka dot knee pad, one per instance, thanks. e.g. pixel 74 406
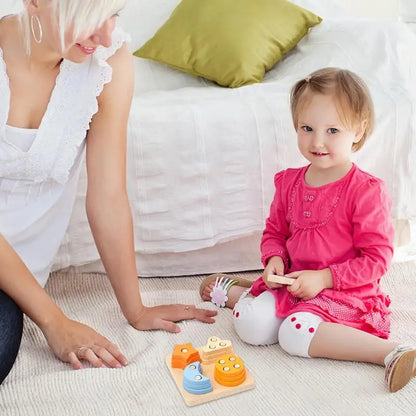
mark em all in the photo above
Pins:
pixel 297 331
pixel 255 319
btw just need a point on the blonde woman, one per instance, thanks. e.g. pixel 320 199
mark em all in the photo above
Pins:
pixel 66 83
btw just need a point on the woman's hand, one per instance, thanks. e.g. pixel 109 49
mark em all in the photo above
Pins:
pixel 310 283
pixel 275 265
pixel 165 316
pixel 74 342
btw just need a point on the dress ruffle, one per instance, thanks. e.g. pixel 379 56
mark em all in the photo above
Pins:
pixel 371 315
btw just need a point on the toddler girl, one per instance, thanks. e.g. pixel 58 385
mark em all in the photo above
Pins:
pixel 329 232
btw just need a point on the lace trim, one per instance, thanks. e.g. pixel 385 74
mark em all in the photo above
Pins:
pixel 102 54
pixel 69 126
pixel 102 75
pixel 336 277
pixel 4 91
pixel 293 206
pixel 374 312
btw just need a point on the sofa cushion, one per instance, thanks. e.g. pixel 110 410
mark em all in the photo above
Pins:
pixel 231 42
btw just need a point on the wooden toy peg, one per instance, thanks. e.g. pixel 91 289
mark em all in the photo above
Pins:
pixel 283 280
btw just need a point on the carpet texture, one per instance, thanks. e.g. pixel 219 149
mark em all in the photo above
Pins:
pixel 39 384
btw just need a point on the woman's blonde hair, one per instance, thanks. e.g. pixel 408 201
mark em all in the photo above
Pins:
pixel 80 15
pixel 352 98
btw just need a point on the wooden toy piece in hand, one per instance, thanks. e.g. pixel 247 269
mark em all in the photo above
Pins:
pixel 283 280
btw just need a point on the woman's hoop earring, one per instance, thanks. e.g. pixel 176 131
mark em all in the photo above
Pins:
pixel 34 19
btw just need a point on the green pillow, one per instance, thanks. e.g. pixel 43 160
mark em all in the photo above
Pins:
pixel 231 42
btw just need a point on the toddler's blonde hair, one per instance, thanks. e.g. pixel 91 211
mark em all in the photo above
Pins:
pixel 351 95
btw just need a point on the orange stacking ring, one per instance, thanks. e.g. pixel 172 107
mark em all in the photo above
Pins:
pixel 229 370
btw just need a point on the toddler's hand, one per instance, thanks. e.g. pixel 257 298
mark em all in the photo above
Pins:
pixel 310 283
pixel 275 265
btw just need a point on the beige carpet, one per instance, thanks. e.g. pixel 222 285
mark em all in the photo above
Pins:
pixel 39 384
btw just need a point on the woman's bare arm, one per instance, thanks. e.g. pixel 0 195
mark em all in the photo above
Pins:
pixel 108 207
pixel 18 282
pixel 64 335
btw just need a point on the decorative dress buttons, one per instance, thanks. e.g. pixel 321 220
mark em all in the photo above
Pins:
pixel 307 214
pixel 309 198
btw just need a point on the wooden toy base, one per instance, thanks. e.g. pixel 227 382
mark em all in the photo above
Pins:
pixel 218 389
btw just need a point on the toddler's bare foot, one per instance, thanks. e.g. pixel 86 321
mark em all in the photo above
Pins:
pixel 221 286
pixel 206 291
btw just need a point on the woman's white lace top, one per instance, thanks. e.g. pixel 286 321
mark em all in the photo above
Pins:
pixel 39 169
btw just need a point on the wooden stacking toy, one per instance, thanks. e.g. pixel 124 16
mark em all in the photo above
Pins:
pixel 209 372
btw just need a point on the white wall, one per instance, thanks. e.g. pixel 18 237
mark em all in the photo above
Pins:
pixel 9 6
pixel 386 9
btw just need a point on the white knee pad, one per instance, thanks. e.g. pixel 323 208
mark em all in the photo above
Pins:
pixel 255 319
pixel 296 332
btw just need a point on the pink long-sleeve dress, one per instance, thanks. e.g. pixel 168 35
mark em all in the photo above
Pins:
pixel 344 225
